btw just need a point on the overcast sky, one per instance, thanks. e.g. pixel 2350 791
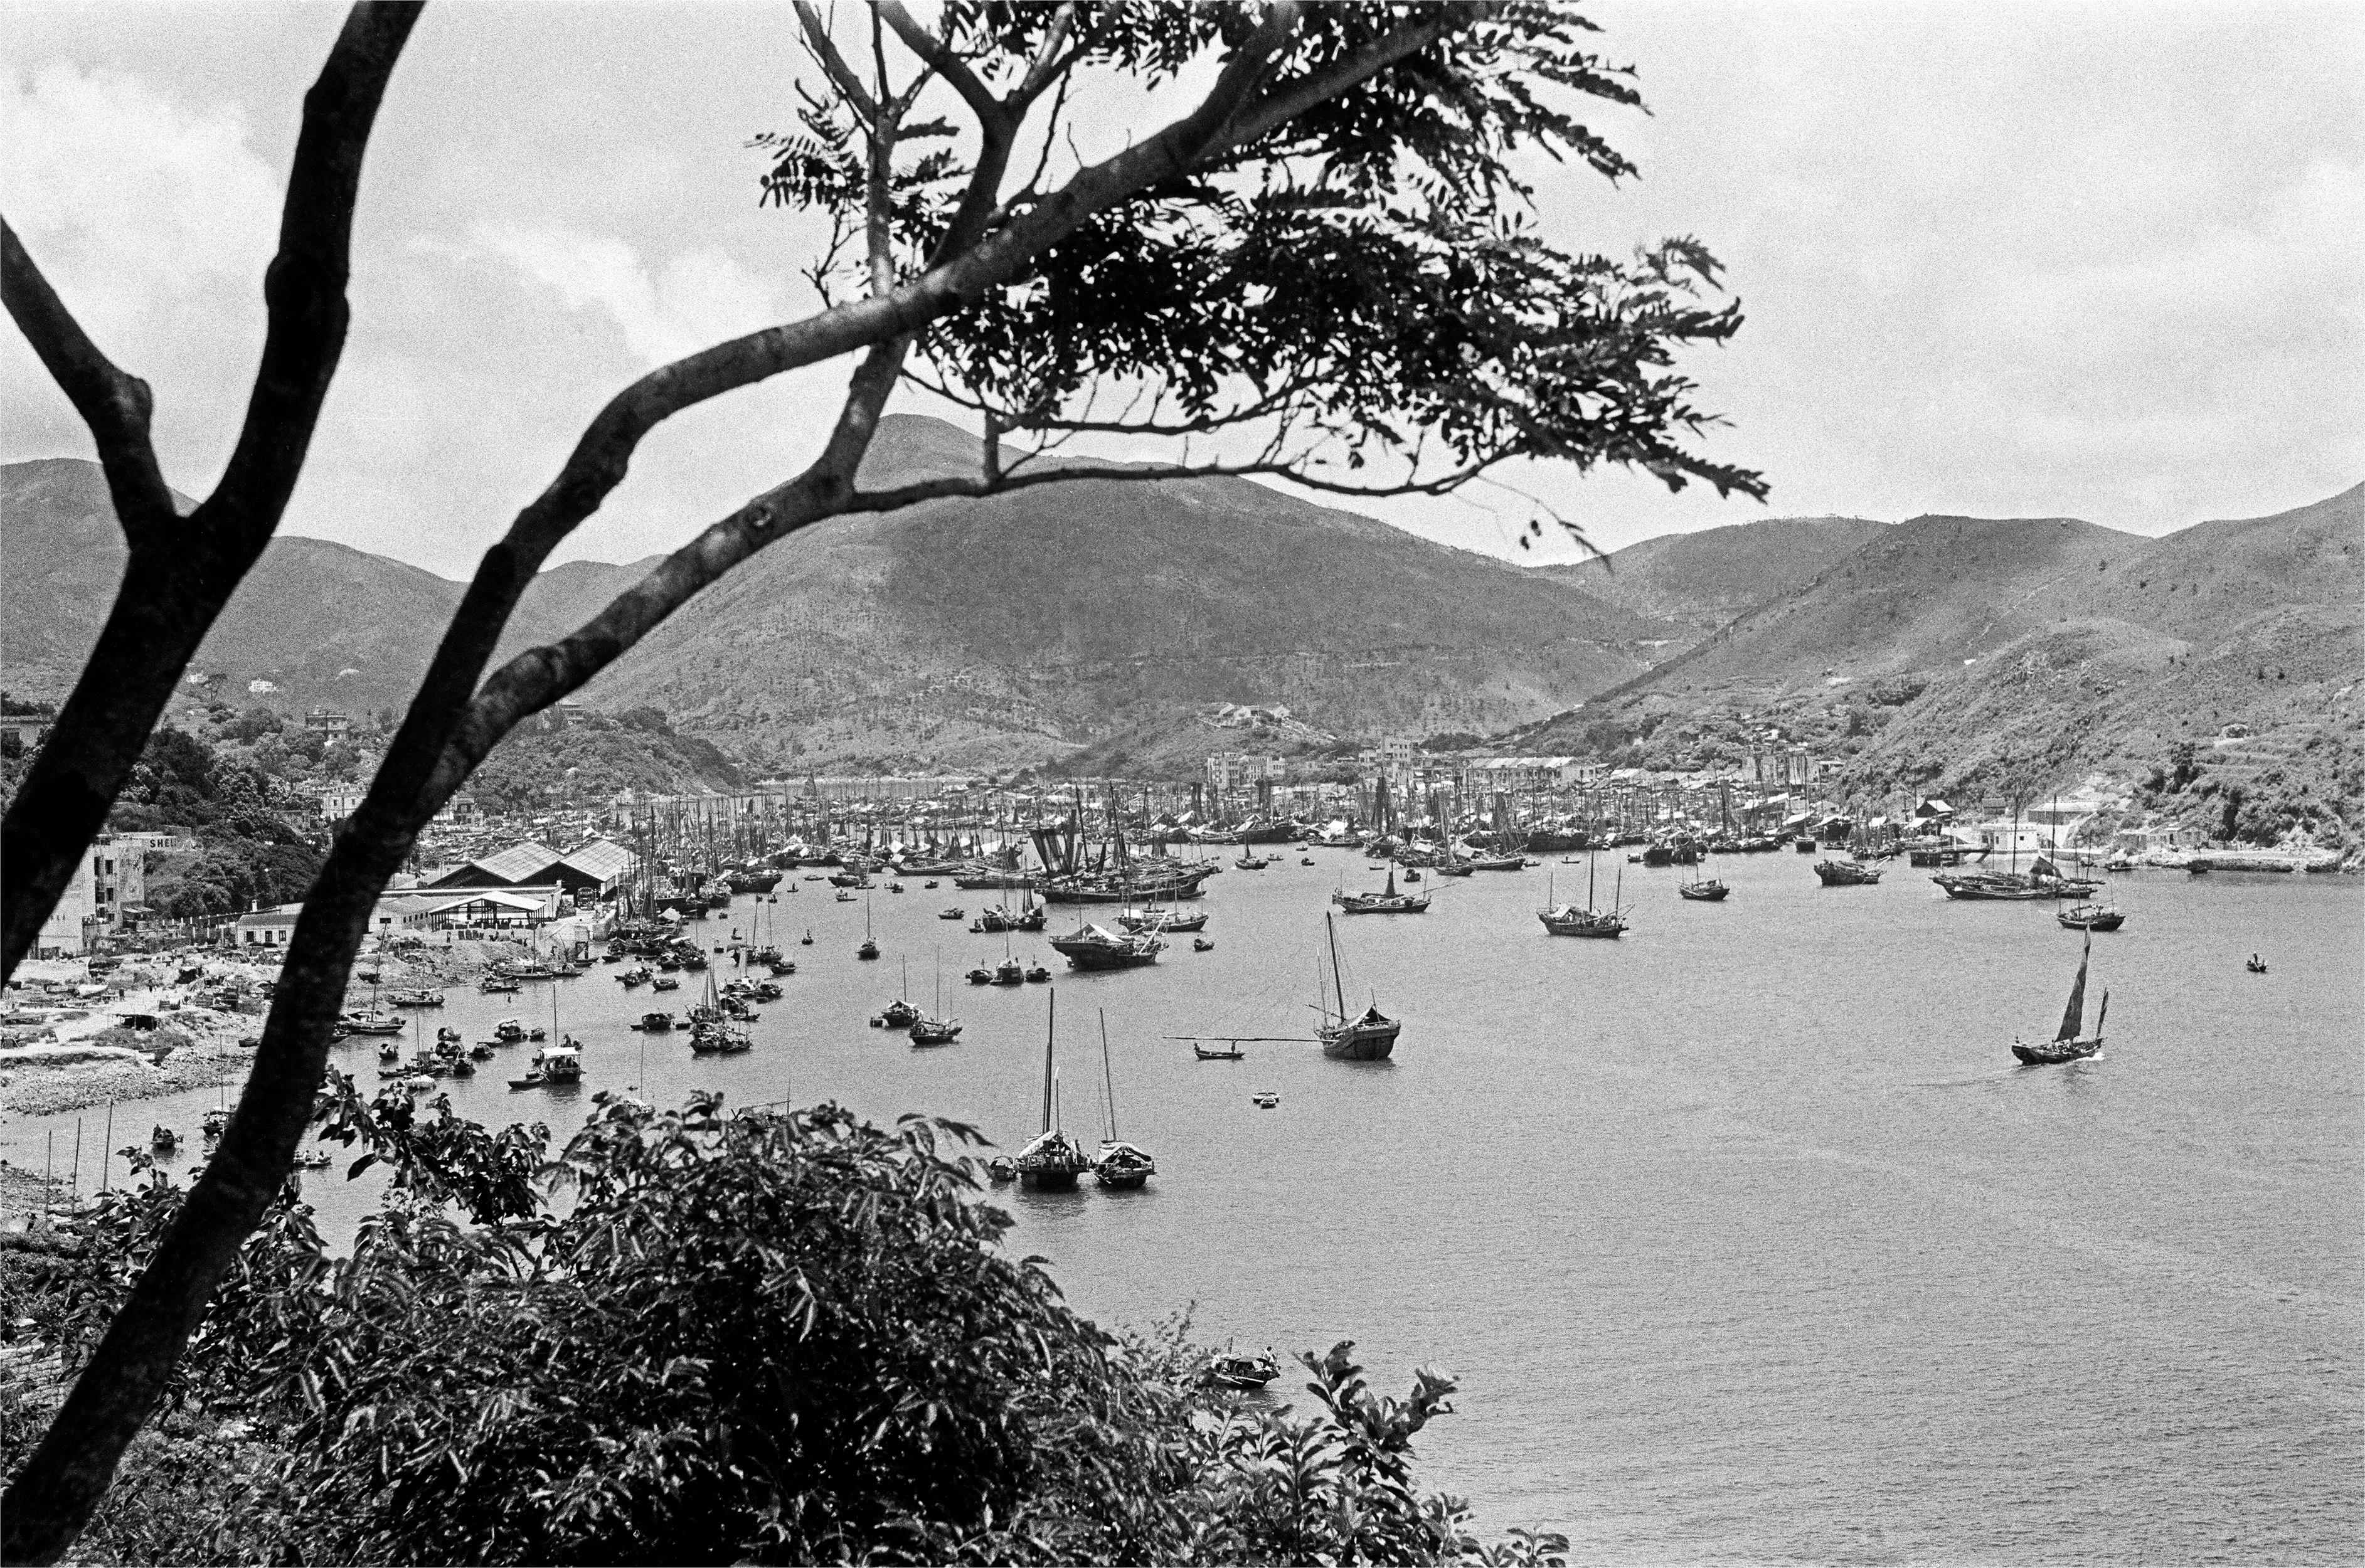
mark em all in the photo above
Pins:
pixel 2097 260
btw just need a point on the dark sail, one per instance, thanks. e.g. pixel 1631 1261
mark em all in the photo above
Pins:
pixel 2072 1014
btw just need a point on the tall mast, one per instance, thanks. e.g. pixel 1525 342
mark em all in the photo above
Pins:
pixel 1050 1032
pixel 1332 926
pixel 1108 1081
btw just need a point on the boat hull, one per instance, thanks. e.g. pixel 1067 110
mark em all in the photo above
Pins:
pixel 1048 1180
pixel 2053 1053
pixel 1360 1044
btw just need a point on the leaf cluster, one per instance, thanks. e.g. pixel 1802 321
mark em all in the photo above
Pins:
pixel 785 1336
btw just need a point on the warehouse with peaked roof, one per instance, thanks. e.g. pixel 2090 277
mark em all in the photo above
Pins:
pixel 590 871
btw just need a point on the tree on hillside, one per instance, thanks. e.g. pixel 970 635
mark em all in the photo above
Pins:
pixel 1323 267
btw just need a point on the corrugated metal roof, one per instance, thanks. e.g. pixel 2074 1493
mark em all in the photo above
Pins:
pixel 519 863
pixel 601 857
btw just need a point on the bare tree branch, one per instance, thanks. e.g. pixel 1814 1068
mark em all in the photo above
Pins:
pixel 115 406
pixel 181 574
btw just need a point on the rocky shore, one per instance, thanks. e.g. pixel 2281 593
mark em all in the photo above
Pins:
pixel 65 1044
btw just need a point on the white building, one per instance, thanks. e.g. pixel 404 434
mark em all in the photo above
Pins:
pixel 339 801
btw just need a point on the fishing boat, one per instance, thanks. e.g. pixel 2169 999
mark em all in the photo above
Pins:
pixel 1051 1160
pixel 163 1140
pixel 1847 873
pixel 1090 947
pixel 372 1022
pixel 2257 965
pixel 1568 920
pixel 1702 890
pixel 2090 917
pixel 665 982
pixel 416 997
pixel 979 977
pixel 552 1066
pixel 1002 1168
pixel 1010 971
pixel 1166 921
pixel 656 1024
pixel 1265 1100
pixel 935 1029
pixel 1214 1053
pixel 1121 1165
pixel 1368 1038
pixel 2067 1044
pixel 1039 974
pixel 1237 1369
pixel 496 985
pixel 637 975
pixel 1201 945
pixel 1388 901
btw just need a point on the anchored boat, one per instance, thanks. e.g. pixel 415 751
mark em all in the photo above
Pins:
pixel 1051 1160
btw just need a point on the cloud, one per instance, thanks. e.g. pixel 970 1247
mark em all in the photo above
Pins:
pixel 130 202
pixel 695 298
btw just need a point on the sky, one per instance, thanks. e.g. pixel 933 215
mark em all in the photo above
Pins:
pixel 2099 260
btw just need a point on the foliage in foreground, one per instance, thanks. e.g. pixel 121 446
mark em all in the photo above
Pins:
pixel 780 1337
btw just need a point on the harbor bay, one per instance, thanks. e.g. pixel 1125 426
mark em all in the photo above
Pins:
pixel 1744 1234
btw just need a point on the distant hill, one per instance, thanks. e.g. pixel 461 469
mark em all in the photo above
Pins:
pixel 1961 655
pixel 322 622
pixel 1700 580
pixel 994 633
pixel 1019 629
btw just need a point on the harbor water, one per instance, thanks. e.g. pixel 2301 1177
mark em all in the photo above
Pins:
pixel 1744 1236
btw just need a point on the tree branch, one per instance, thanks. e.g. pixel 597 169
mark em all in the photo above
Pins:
pixel 115 406
pixel 181 574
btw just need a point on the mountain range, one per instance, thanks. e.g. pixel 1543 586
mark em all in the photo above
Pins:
pixel 1102 621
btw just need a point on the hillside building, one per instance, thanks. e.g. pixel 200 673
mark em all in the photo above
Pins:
pixel 339 801
pixel 321 721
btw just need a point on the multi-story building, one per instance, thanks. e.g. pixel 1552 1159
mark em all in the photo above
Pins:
pixel 339 801
pixel 320 721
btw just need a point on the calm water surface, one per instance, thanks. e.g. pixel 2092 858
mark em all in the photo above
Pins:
pixel 1744 1236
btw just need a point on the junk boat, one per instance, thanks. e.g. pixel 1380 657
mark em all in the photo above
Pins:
pixel 1121 1165
pixel 2067 1044
pixel 373 1023
pixel 1389 902
pixel 2090 917
pixel 1093 946
pixel 1849 873
pixel 935 1029
pixel 552 1066
pixel 1567 919
pixel 1051 1160
pixel 1368 1038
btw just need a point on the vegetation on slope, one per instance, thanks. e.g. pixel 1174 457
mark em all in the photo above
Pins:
pixel 785 1337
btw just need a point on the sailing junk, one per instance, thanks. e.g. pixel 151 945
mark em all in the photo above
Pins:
pixel 1122 1166
pixel 2067 1044
pixel 1570 921
pixel 1052 1160
pixel 1368 1038
pixel 1096 947
pixel 1388 903
pixel 1847 873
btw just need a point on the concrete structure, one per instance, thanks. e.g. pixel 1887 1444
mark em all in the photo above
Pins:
pixel 1230 770
pixel 273 927
pixel 68 929
pixel 320 721
pixel 1520 775
pixel 339 801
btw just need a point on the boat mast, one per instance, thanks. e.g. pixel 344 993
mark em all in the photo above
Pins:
pixel 1050 1032
pixel 1332 926
pixel 1108 1081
